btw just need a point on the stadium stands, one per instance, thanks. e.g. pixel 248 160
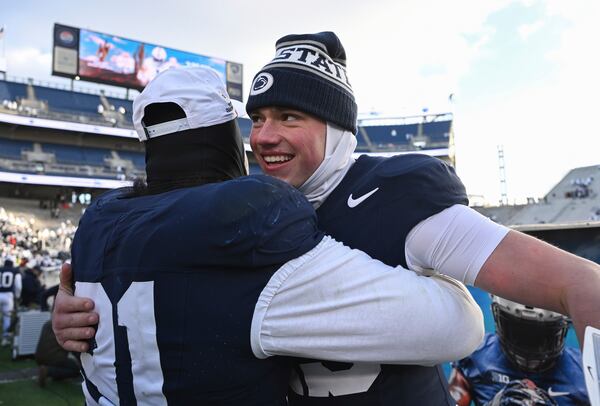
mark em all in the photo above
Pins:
pixel 255 169
pixel 61 104
pixel 11 149
pixel 12 91
pixel 47 130
pixel 573 199
pixel 245 127
pixel 413 136
pixel 138 159
pixel 70 154
pixel 29 235
pixel 384 135
pixel 429 132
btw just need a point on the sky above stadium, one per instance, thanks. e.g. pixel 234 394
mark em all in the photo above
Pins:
pixel 523 74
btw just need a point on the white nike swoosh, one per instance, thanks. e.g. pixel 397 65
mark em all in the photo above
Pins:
pixel 355 202
pixel 555 394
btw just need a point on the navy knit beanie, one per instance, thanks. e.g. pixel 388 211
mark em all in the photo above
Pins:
pixel 308 73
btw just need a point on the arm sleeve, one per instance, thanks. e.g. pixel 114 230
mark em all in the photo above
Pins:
pixel 18 285
pixel 455 242
pixel 338 304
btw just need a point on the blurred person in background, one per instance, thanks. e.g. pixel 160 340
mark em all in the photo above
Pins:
pixel 10 289
pixel 528 346
pixel 48 294
pixel 53 361
pixel 32 287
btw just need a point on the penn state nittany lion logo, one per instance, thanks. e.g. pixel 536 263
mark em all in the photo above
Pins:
pixel 66 37
pixel 262 83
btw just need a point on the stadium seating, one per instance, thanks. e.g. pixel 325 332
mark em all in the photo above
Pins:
pixel 414 136
pixel 11 149
pixel 71 154
pixel 255 169
pixel 138 158
pixel 437 131
pixel 65 154
pixel 79 105
pixel 390 135
pixel 573 199
pixel 12 91
pixel 84 107
pixel 119 159
pixel 245 125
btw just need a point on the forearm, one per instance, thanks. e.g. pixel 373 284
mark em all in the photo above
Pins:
pixel 341 305
pixel 582 304
pixel 532 272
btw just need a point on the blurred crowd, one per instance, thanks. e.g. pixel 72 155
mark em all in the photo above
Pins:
pixel 37 253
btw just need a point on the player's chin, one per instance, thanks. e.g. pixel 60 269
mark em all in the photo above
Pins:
pixel 282 175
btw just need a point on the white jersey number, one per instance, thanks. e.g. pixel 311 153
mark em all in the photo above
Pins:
pixel 135 311
pixel 6 279
pixel 323 382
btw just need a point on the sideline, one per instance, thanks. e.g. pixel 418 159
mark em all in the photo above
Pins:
pixel 18 375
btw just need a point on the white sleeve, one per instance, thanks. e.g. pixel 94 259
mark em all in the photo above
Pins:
pixel 455 242
pixel 17 285
pixel 339 304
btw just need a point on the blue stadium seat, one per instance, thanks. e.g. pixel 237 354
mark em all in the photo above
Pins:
pixel 67 101
pixel 95 156
pixel 138 158
pixel 65 154
pixel 390 135
pixel 11 91
pixel 71 154
pixel 255 169
pixel 11 149
pixel 245 125
pixel 437 131
pixel 361 144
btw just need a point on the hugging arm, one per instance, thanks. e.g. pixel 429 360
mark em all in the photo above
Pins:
pixel 339 304
pixel 72 317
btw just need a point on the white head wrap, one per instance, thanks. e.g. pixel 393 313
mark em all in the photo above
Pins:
pixel 339 146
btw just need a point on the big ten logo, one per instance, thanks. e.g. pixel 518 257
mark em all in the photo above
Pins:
pixel 500 378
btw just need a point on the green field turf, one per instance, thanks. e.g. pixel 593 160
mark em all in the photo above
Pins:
pixel 19 386
pixel 28 393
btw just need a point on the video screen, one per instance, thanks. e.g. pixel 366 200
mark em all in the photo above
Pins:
pixel 123 62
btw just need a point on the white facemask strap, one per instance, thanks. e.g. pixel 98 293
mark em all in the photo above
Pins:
pixel 339 146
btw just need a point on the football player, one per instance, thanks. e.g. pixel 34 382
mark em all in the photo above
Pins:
pixel 10 289
pixel 529 343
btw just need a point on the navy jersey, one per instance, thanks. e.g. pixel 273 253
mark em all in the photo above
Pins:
pixel 373 209
pixel 175 278
pixel 488 371
pixel 7 278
